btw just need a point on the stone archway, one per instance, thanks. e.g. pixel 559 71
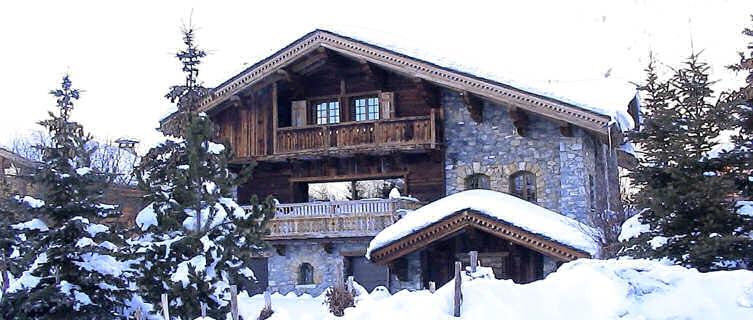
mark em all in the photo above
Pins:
pixel 534 168
pixel 494 172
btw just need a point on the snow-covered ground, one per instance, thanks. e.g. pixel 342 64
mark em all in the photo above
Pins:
pixel 582 289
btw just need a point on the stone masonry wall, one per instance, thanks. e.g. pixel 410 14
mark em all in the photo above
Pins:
pixel 493 148
pixel 283 269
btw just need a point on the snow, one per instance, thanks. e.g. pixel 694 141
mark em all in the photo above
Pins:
pixel 198 263
pixel 146 217
pixel 30 201
pixel 27 280
pixel 93 229
pixel 631 228
pixel 285 307
pixel 83 171
pixel 628 148
pixel 583 289
pixel 508 208
pixel 85 241
pixel 394 193
pixel 33 224
pixel 214 148
pixel 746 208
pixel 219 216
pixel 612 98
pixel 101 263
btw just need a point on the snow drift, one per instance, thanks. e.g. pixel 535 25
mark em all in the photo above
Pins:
pixel 582 289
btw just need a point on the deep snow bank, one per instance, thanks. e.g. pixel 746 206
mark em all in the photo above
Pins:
pixel 583 289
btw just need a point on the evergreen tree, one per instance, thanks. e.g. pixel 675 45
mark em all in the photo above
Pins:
pixel 741 102
pixel 196 239
pixel 687 190
pixel 75 272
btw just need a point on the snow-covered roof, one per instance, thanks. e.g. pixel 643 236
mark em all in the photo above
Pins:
pixel 585 105
pixel 500 206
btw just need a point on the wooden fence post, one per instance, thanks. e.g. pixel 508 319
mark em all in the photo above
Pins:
pixel 350 284
pixel 138 314
pixel 432 287
pixel 203 310
pixel 267 300
pixel 458 293
pixel 234 301
pixel 474 260
pixel 339 277
pixel 165 307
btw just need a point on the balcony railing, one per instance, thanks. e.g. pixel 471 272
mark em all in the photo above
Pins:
pixel 405 133
pixel 358 218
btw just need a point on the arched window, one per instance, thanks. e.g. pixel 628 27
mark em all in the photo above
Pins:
pixel 305 274
pixel 523 185
pixel 477 181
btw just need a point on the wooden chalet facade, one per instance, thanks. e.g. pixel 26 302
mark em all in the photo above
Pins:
pixel 329 108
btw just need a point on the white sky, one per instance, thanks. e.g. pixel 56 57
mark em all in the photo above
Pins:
pixel 122 55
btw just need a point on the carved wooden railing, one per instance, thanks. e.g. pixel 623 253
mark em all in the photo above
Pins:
pixel 396 132
pixel 358 218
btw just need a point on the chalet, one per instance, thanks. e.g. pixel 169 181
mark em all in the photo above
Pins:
pixel 335 123
pixel 12 168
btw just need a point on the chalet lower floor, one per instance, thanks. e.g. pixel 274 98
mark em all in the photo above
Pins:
pixel 311 266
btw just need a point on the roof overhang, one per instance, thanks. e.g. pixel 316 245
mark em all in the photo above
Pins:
pixel 473 219
pixel 17 159
pixel 442 76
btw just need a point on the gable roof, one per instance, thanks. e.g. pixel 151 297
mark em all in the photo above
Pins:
pixel 497 213
pixel 590 118
pixel 16 159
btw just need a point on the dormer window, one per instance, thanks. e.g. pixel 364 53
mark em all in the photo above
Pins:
pixel 327 112
pixel 366 108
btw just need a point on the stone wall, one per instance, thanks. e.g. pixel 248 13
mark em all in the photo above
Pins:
pixel 284 269
pixel 562 165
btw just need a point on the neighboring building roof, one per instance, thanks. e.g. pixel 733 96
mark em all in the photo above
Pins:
pixel 16 159
pixel 396 60
pixel 501 214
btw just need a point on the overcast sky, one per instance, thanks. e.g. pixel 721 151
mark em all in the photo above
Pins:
pixel 122 54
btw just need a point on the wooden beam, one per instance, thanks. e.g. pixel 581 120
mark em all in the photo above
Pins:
pixel 373 74
pixel 373 176
pixel 295 81
pixel 474 105
pixel 428 92
pixel 566 130
pixel 519 121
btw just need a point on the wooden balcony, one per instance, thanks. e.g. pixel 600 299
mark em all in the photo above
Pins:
pixel 335 219
pixel 407 133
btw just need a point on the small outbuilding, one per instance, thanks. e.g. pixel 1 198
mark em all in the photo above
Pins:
pixel 517 239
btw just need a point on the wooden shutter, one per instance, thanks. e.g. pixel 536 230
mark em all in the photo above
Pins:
pixel 299 113
pixel 387 105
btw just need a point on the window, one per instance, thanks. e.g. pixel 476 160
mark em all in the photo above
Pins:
pixel 477 181
pixel 327 112
pixel 366 108
pixel 523 185
pixel 305 274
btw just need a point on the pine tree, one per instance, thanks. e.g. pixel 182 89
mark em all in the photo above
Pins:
pixel 686 189
pixel 196 239
pixel 741 102
pixel 75 272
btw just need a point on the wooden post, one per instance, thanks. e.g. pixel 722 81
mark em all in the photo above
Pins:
pixel 433 133
pixel 458 293
pixel 432 287
pixel 339 277
pixel 274 118
pixel 165 307
pixel 350 284
pixel 203 310
pixel 267 300
pixel 138 314
pixel 474 260
pixel 377 133
pixel 234 301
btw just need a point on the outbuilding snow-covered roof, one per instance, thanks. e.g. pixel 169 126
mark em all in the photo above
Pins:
pixel 500 206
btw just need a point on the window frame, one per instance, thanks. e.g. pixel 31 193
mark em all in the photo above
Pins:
pixel 305 274
pixel 368 113
pixel 330 111
pixel 527 191
pixel 478 181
